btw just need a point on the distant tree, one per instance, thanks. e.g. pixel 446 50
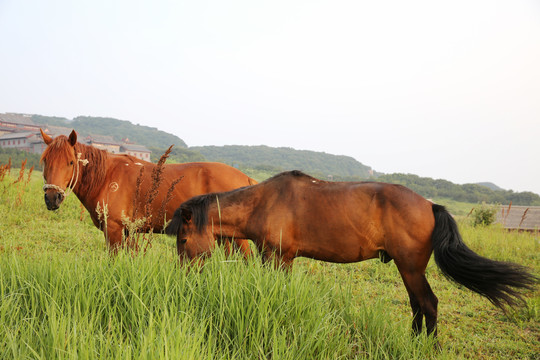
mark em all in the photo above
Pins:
pixel 262 161
pixel 472 193
pixel 18 156
pixel 177 155
pixel 315 163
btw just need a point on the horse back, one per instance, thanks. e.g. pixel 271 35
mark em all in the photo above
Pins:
pixel 207 177
pixel 346 221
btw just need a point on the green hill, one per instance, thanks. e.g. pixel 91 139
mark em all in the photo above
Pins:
pixel 118 129
pixel 318 164
pixel 490 185
pixel 262 161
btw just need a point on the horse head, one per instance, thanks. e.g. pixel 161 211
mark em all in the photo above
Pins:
pixel 60 166
pixel 193 238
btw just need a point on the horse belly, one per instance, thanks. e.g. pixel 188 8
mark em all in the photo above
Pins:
pixel 338 250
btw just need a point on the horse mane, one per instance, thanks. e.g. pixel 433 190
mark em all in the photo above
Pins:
pixel 91 175
pixel 197 208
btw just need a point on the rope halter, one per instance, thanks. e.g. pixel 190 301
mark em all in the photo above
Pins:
pixel 72 183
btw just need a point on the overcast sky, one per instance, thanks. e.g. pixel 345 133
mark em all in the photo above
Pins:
pixel 446 90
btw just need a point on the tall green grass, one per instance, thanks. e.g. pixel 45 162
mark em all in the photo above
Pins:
pixel 148 307
pixel 63 297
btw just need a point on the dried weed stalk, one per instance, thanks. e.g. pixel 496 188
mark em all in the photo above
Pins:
pixel 161 214
pixel 5 169
pixel 21 172
pixel 29 175
pixel 21 183
pixel 137 192
pixel 156 182
pixel 505 216
pixel 523 217
pixel 139 230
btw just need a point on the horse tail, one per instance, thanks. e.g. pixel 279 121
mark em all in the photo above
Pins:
pixel 498 281
pixel 175 223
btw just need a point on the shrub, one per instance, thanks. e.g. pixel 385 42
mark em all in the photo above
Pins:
pixel 484 215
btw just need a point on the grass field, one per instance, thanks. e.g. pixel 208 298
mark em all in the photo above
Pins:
pixel 63 297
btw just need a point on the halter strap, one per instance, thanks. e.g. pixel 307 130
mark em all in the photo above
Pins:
pixel 71 184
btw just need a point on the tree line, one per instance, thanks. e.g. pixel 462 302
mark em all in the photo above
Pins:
pixel 17 157
pixel 118 129
pixel 427 187
pixel 265 161
pixel 473 193
pixel 318 164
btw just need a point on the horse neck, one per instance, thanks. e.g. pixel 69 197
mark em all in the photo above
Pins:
pixel 91 176
pixel 232 217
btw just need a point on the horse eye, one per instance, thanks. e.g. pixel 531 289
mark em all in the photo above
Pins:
pixel 183 241
pixel 71 162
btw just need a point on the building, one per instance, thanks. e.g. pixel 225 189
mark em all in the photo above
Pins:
pixel 139 151
pixel 108 143
pixel 14 136
pixel 55 131
pixel 27 141
pixel 516 217
pixel 10 122
pixel 103 142
pixel 18 131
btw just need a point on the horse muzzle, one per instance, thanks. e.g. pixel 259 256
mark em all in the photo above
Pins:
pixel 53 199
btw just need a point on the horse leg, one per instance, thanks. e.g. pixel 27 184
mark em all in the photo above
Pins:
pixel 227 247
pixel 279 261
pixel 244 247
pixel 423 300
pixel 418 315
pixel 113 236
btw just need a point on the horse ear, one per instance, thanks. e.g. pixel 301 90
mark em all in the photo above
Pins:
pixel 46 138
pixel 73 138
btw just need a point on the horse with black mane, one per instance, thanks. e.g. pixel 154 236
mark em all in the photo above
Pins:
pixel 293 214
pixel 104 180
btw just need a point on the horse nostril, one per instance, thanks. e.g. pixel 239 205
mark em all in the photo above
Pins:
pixel 59 198
pixel 47 200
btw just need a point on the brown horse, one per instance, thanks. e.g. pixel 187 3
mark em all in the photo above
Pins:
pixel 293 214
pixel 103 180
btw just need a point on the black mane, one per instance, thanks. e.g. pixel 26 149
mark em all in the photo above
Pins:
pixel 195 209
pixel 293 173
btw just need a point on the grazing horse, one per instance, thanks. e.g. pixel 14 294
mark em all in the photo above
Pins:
pixel 120 184
pixel 293 214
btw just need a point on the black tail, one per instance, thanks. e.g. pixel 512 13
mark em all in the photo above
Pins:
pixel 498 281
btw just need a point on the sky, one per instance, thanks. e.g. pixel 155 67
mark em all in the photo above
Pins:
pixel 442 89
